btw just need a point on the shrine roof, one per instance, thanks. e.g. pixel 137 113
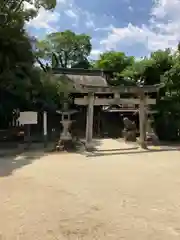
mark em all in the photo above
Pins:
pixel 83 77
pixel 95 80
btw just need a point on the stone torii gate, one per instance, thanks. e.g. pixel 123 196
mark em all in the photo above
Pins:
pixel 142 101
pixel 91 82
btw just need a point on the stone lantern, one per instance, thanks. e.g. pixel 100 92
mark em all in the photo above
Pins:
pixel 66 122
pixel 150 134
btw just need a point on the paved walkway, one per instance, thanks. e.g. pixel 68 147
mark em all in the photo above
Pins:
pixel 112 195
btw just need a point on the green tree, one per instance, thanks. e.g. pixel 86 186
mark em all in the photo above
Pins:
pixel 64 49
pixel 168 117
pixel 114 61
pixel 16 56
pixel 172 80
pixel 51 90
pixel 136 71
pixel 14 6
pixel 150 70
pixel 15 52
pixel 15 45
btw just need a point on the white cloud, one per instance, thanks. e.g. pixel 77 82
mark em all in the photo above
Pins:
pixel 162 32
pixel 70 13
pixel 130 9
pixel 166 8
pixel 95 53
pixel 108 28
pixel 133 34
pixel 90 24
pixel 44 20
pixel 27 5
pixel 90 19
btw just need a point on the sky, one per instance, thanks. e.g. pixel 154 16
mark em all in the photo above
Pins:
pixel 136 27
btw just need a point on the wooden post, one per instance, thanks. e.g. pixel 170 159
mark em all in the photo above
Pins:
pixel 45 128
pixel 89 121
pixel 142 121
pixel 27 135
pixel 99 123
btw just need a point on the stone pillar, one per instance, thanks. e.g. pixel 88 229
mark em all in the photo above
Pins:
pixel 117 95
pixel 142 121
pixel 89 121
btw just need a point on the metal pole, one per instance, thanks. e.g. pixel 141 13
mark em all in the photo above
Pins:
pixel 45 128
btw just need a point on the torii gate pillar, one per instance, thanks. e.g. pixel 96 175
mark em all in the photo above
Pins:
pixel 89 121
pixel 142 121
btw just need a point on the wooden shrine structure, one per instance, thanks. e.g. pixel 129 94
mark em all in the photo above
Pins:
pixel 93 87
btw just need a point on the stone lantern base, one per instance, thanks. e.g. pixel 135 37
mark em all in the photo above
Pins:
pixel 65 141
pixel 151 136
pixel 65 135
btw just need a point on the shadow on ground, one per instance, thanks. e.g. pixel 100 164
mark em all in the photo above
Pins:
pixel 127 151
pixel 13 159
pixel 81 148
pixel 116 150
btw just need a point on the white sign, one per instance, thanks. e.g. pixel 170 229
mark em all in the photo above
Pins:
pixel 28 118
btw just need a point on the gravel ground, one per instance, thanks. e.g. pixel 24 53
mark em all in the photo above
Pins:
pixel 111 194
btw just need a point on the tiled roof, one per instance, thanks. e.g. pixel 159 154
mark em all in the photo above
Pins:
pixel 84 77
pixel 96 81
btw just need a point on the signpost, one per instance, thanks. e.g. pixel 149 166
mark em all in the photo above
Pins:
pixel 27 119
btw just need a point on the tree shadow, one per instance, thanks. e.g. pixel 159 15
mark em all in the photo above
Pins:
pixel 117 149
pixel 81 145
pixel 166 144
pixel 12 161
pixel 96 142
pixel 128 152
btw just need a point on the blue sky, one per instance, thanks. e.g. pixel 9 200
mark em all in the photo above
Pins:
pixel 136 27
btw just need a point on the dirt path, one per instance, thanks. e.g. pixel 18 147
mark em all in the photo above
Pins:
pixel 110 195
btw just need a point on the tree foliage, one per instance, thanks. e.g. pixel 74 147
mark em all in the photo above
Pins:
pixel 150 70
pixel 64 49
pixel 114 61
pixel 14 6
pixel 16 57
pixel 20 81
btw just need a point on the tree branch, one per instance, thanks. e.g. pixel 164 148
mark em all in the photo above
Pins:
pixel 19 5
pixel 56 60
pixel 4 5
pixel 65 59
pixel 41 64
pixel 61 61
